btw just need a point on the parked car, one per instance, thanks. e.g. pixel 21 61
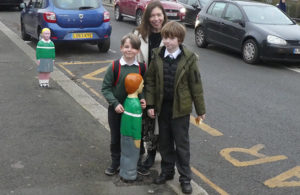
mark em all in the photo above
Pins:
pixel 135 8
pixel 68 20
pixel 193 7
pixel 11 3
pixel 257 30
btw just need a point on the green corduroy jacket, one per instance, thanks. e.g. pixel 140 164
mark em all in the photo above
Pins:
pixel 187 84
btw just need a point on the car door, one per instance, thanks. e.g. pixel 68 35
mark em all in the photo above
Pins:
pixel 233 27
pixel 131 7
pixel 193 7
pixel 38 4
pixel 32 17
pixel 27 18
pixel 213 21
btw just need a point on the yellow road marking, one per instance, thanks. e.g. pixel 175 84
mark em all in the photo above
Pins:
pixel 251 151
pixel 67 70
pixel 91 62
pixel 205 127
pixel 206 180
pixel 82 82
pixel 280 180
pixel 92 75
pixel 92 90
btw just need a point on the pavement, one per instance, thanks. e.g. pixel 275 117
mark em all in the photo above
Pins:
pixel 56 141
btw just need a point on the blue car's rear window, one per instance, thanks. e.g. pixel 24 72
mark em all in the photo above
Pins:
pixel 77 4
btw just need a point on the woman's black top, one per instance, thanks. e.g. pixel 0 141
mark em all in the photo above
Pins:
pixel 154 42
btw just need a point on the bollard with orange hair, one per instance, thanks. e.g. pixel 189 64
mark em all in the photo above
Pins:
pixel 131 127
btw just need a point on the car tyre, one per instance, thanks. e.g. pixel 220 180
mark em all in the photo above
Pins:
pixel 24 35
pixel 200 37
pixel 117 14
pixel 138 17
pixel 250 52
pixel 104 45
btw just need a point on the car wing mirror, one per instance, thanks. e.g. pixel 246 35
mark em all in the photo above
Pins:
pixel 240 22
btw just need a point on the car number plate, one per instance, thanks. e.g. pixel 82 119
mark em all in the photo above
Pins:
pixel 171 14
pixel 82 35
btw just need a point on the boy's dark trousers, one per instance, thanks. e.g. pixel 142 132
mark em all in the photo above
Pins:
pixel 174 131
pixel 114 121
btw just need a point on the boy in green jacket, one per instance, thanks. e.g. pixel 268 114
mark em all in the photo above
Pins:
pixel 113 89
pixel 172 84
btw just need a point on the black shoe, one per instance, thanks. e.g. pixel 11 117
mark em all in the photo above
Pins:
pixel 186 187
pixel 162 178
pixel 148 163
pixel 143 171
pixel 110 171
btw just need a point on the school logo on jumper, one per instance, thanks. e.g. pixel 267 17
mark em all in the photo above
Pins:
pixel 81 16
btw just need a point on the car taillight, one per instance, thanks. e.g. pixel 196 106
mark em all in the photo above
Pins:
pixel 50 17
pixel 106 16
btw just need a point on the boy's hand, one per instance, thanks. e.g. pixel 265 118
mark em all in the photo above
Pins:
pixel 119 109
pixel 199 119
pixel 38 62
pixel 143 103
pixel 151 113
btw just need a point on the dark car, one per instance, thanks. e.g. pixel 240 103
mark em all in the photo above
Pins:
pixel 11 3
pixel 257 30
pixel 192 7
pixel 135 8
pixel 68 20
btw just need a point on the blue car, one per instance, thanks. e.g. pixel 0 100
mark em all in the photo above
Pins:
pixel 68 20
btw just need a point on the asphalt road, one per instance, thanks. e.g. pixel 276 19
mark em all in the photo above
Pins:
pixel 251 144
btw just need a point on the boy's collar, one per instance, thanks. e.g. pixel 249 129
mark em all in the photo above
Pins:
pixel 174 54
pixel 163 49
pixel 123 62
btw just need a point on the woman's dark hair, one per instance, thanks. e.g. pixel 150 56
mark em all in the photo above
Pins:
pixel 145 27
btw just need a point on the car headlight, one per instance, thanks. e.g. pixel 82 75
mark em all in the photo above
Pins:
pixel 275 40
pixel 182 10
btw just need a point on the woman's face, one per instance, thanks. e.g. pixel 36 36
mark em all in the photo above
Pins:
pixel 156 19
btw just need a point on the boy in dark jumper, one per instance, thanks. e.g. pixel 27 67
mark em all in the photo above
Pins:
pixel 115 94
pixel 172 84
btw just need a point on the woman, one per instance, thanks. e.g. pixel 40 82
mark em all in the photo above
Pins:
pixel 153 20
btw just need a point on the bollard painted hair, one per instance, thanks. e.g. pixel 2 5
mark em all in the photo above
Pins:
pixel 45 29
pixel 132 82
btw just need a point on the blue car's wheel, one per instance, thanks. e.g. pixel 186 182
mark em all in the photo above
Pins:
pixel 104 45
pixel 24 35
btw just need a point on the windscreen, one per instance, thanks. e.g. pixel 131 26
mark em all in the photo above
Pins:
pixel 77 4
pixel 266 15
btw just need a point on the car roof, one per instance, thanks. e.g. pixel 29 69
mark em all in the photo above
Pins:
pixel 245 2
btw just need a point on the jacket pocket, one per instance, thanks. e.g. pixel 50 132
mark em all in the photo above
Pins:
pixel 185 101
